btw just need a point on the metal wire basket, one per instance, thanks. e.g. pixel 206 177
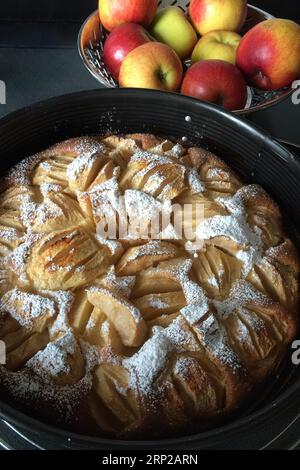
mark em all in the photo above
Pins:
pixel 92 37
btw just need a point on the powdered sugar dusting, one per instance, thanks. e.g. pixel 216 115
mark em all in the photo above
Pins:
pixel 29 386
pixel 28 211
pixel 47 188
pixel 26 308
pixel 17 259
pixel 149 362
pixel 242 293
pixel 53 360
pixel 226 226
pixel 122 285
pixel 136 314
pixel 153 248
pixel 214 338
pixel 139 204
pixel 80 164
pixel 196 185
pixel 114 246
pixel 156 302
pixel 20 174
pixel 200 328
pixel 236 228
pixel 87 147
pixel 152 159
pixel 63 300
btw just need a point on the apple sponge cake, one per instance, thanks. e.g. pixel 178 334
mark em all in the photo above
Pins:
pixel 139 336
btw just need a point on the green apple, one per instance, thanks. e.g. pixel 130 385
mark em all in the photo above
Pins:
pixel 217 45
pixel 172 27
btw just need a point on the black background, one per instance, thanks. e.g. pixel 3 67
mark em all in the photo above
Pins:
pixel 76 10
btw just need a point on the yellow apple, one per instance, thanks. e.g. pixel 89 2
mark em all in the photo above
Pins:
pixel 220 45
pixel 212 15
pixel 152 65
pixel 172 27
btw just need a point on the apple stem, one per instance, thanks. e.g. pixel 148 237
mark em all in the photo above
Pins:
pixel 161 75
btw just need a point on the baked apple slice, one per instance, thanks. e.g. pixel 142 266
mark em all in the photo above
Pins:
pixel 138 258
pixel 126 318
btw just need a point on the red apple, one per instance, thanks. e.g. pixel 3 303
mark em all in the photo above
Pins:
pixel 212 15
pixel 113 13
pixel 152 65
pixel 216 81
pixel 269 54
pixel 120 42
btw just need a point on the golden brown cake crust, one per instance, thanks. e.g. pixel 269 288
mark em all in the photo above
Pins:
pixel 131 337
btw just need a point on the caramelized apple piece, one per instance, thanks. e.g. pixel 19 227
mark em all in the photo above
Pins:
pixel 153 305
pixel 126 318
pixel 138 258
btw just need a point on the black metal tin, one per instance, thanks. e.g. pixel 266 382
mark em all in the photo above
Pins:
pixel 273 420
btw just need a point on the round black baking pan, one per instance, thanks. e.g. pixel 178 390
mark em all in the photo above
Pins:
pixel 271 419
